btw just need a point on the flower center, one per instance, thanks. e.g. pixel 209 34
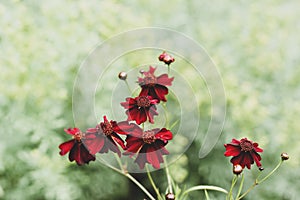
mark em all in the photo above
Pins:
pixel 107 128
pixel 246 146
pixel 78 136
pixel 149 79
pixel 148 137
pixel 143 101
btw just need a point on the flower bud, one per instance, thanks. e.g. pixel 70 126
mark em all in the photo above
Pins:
pixel 284 156
pixel 237 169
pixel 166 58
pixel 142 71
pixel 170 196
pixel 123 76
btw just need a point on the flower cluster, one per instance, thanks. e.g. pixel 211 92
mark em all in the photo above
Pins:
pixel 147 146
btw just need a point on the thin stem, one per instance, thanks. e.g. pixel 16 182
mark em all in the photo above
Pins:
pixel 266 177
pixel 169 178
pixel 153 184
pixel 140 186
pixel 123 172
pixel 206 195
pixel 119 162
pixel 233 182
pixel 168 69
pixel 241 187
pixel 256 182
pixel 128 87
pixel 166 114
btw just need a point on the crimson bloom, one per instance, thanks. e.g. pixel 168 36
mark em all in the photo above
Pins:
pixel 140 108
pixel 104 136
pixel 166 58
pixel 78 151
pixel 154 86
pixel 244 152
pixel 148 145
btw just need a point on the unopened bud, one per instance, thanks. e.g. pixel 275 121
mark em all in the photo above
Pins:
pixel 142 71
pixel 166 58
pixel 237 169
pixel 123 76
pixel 170 196
pixel 285 156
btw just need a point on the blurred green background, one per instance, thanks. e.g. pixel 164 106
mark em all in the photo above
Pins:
pixel 254 45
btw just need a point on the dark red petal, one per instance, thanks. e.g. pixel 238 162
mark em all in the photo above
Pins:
pixel 85 155
pixel 152 157
pixel 118 140
pixel 144 91
pixel 66 147
pixel 235 142
pixel 238 160
pixel 72 131
pixel 141 160
pixel 248 160
pixel 75 154
pixel 111 145
pixel 232 150
pixel 125 128
pixel 256 148
pixel 164 135
pixel 134 145
pixel 256 158
pixel 130 102
pixel 164 80
pixel 94 143
pixel 161 91
pixel 92 130
pixel 139 115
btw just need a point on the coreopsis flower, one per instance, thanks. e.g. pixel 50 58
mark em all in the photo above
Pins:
pixel 78 151
pixel 166 58
pixel 154 86
pixel 140 108
pixel 104 136
pixel 148 146
pixel 244 152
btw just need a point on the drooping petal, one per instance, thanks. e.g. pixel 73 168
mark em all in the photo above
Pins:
pixel 256 158
pixel 238 160
pixel 118 140
pixel 75 154
pixel 161 91
pixel 85 155
pixel 66 147
pixel 152 157
pixel 141 116
pixel 257 149
pixel 164 80
pixel 144 91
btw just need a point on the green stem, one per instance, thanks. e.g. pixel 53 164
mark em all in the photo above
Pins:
pixel 140 186
pixel 123 172
pixel 233 182
pixel 153 184
pixel 241 187
pixel 266 177
pixel 169 178
pixel 206 195
pixel 256 182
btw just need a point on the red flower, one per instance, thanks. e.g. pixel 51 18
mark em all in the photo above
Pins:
pixel 148 145
pixel 166 58
pixel 140 108
pixel 77 150
pixel 104 136
pixel 154 86
pixel 244 152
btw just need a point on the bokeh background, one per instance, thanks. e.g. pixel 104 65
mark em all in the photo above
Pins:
pixel 255 46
